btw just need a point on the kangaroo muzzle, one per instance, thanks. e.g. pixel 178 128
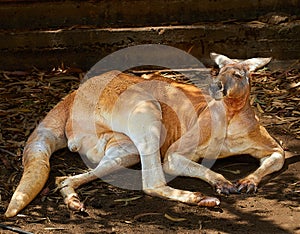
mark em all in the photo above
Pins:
pixel 216 90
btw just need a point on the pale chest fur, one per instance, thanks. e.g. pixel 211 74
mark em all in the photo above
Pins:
pixel 227 138
pixel 237 139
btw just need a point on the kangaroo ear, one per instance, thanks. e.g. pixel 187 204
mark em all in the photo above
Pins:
pixel 220 60
pixel 256 63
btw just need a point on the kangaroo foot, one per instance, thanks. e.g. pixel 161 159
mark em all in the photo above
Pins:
pixel 247 185
pixel 71 198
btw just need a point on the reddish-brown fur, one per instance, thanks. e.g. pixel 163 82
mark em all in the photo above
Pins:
pixel 169 122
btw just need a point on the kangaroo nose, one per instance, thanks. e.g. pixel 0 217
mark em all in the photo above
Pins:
pixel 219 85
pixel 216 90
pixel 216 86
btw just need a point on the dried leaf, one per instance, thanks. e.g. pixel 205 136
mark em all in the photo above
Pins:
pixel 174 219
pixel 259 108
pixel 128 199
pixel 235 172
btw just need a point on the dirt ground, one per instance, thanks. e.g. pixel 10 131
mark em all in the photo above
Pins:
pixel 26 97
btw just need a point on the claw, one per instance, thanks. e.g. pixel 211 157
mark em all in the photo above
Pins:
pixel 218 190
pixel 234 190
pixel 251 188
pixel 241 188
pixel 247 186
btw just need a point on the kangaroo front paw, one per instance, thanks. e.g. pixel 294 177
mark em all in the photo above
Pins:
pixel 247 185
pixel 225 188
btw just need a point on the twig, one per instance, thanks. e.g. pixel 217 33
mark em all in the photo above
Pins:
pixel 17 230
pixel 8 152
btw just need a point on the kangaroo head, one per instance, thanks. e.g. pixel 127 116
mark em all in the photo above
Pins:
pixel 233 80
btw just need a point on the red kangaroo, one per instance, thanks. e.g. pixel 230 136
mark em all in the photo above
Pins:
pixel 130 122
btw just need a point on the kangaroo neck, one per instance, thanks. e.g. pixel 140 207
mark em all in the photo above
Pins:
pixel 234 106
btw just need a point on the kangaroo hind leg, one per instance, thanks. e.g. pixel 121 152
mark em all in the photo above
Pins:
pixel 120 153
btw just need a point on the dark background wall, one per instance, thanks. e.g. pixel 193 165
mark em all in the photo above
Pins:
pixel 79 33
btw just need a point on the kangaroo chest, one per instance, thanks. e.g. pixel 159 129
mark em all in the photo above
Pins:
pixel 227 138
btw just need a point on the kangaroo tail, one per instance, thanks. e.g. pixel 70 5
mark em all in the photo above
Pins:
pixel 48 137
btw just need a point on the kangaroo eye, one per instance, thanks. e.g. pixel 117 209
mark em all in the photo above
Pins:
pixel 238 75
